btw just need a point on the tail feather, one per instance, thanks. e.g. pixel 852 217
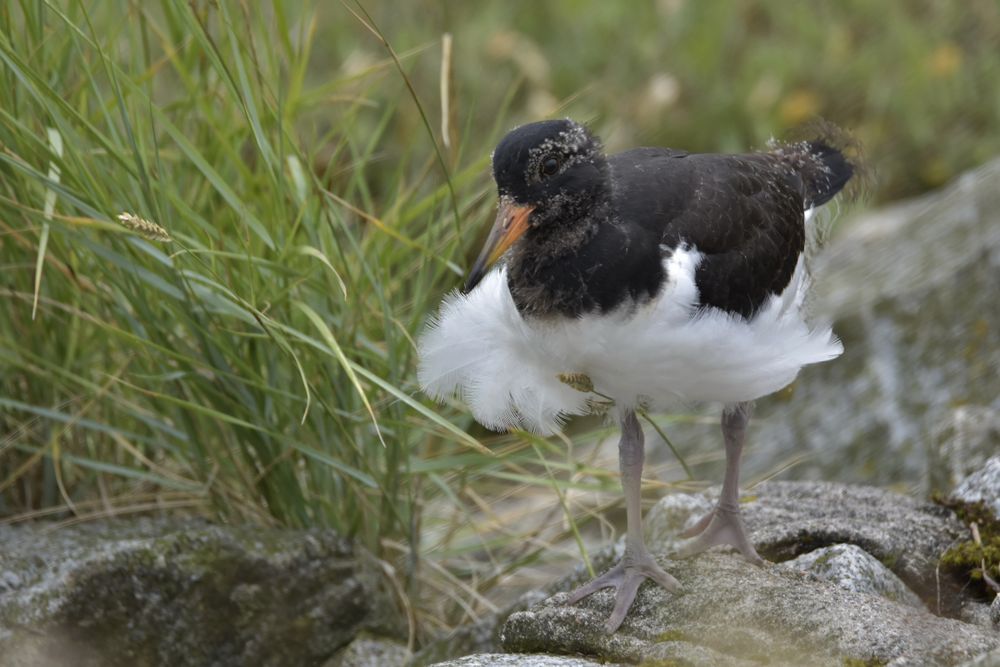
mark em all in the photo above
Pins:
pixel 826 159
pixel 829 174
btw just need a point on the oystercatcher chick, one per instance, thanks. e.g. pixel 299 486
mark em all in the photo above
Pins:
pixel 646 277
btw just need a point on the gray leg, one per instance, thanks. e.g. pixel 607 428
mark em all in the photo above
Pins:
pixel 724 524
pixel 637 563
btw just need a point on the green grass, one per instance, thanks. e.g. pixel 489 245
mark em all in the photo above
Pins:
pixel 260 366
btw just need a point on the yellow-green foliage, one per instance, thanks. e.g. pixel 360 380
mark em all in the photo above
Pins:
pixel 968 557
pixel 860 662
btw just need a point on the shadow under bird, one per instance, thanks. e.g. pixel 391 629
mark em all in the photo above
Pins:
pixel 658 276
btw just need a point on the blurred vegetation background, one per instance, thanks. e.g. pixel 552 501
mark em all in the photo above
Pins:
pixel 322 171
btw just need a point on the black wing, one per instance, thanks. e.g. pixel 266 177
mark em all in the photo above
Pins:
pixel 744 213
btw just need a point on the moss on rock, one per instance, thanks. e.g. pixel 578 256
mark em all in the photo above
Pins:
pixel 864 662
pixel 966 558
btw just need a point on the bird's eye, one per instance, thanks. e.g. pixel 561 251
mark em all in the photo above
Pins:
pixel 550 166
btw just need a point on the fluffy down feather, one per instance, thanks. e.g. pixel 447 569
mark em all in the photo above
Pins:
pixel 506 369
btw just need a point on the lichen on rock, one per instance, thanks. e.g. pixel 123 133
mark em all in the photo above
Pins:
pixel 159 592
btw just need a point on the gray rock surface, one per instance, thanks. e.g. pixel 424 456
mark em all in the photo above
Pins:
pixel 850 567
pixel 371 652
pixel 865 551
pixel 768 615
pixel 482 637
pixel 521 660
pixel 977 613
pixel 786 519
pixel 150 592
pixel 982 485
pixel 962 443
pixel 991 659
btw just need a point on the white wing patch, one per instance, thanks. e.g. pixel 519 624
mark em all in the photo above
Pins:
pixel 506 368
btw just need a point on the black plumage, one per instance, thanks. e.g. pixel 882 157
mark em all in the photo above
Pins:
pixel 601 225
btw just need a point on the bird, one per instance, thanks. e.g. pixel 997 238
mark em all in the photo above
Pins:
pixel 638 280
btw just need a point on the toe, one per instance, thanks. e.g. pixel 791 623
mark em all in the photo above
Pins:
pixel 699 527
pixel 588 588
pixel 610 579
pixel 625 579
pixel 751 554
pixel 657 574
pixel 623 601
pixel 723 529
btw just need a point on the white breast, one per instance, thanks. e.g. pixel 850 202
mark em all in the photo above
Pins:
pixel 506 369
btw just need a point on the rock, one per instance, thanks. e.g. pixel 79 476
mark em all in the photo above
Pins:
pixel 787 519
pixel 520 660
pixel 852 568
pixel 865 552
pixel 991 659
pixel 673 514
pixel 995 612
pixel 976 501
pixel 371 652
pixel 912 292
pixel 982 485
pixel 159 592
pixel 962 443
pixel 482 637
pixel 976 613
pixel 679 652
pixel 769 615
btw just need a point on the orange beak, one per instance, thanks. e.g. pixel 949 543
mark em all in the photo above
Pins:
pixel 510 225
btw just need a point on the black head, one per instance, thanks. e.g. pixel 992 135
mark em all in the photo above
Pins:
pixel 550 175
pixel 557 167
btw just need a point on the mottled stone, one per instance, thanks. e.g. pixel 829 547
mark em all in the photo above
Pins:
pixel 481 637
pixel 689 654
pixel 520 660
pixel 850 567
pixel 977 613
pixel 767 615
pixel 991 659
pixel 862 550
pixel 159 592
pixel 962 442
pixel 982 485
pixel 673 514
pixel 371 652
pixel 787 519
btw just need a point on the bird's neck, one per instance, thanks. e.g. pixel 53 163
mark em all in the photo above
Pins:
pixel 547 270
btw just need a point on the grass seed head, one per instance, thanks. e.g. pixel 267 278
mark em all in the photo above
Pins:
pixel 145 228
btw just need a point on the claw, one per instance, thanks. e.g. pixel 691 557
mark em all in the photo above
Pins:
pixel 625 579
pixel 623 601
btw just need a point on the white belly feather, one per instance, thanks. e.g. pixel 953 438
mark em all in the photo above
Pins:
pixel 506 368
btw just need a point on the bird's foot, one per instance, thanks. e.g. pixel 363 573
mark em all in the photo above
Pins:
pixel 723 525
pixel 625 578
